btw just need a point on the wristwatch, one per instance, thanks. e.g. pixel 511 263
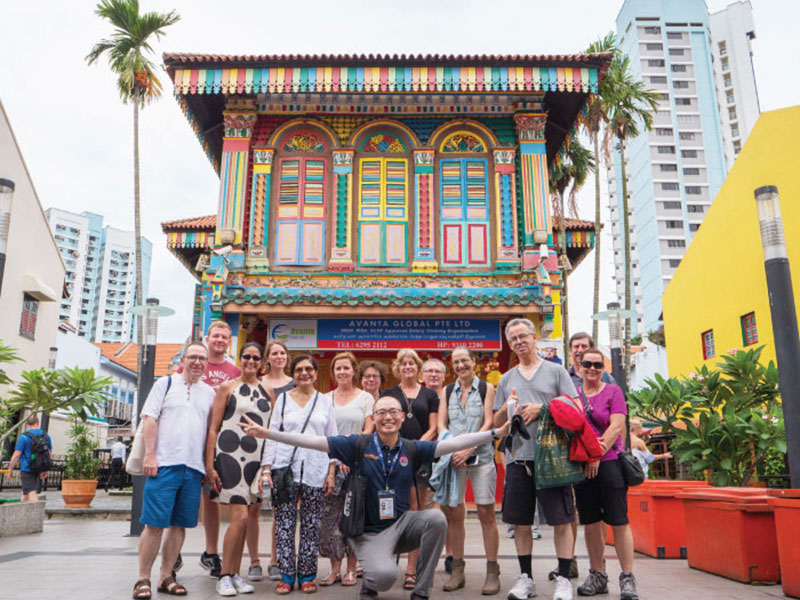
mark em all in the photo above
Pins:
pixel 495 435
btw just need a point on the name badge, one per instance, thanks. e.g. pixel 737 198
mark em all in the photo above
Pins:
pixel 386 504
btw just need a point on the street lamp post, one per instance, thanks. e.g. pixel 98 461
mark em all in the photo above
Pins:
pixel 6 196
pixel 51 366
pixel 615 342
pixel 784 319
pixel 152 312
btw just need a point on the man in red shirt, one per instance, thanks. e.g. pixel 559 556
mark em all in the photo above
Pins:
pixel 218 370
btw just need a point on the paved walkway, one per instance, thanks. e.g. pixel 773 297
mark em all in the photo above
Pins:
pixel 93 559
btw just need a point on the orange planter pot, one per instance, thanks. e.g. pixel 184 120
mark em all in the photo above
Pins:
pixel 731 532
pixel 78 493
pixel 786 506
pixel 657 519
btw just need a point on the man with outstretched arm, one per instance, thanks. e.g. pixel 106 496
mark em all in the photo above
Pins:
pixel 390 528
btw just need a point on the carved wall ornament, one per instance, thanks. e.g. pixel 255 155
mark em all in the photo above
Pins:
pixel 239 125
pixel 530 127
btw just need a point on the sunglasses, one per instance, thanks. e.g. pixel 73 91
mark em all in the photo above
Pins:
pixel 251 357
pixel 587 364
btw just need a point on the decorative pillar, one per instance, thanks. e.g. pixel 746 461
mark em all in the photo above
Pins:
pixel 505 186
pixel 424 258
pixel 239 118
pixel 258 239
pixel 535 186
pixel 342 253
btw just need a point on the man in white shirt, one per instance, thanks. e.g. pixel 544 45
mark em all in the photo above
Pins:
pixel 116 469
pixel 174 426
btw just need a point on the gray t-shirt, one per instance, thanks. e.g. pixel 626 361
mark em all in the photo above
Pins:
pixel 549 380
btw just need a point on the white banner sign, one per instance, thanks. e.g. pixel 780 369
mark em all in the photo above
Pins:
pixel 297 334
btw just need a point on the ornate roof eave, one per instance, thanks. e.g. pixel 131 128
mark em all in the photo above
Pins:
pixel 190 239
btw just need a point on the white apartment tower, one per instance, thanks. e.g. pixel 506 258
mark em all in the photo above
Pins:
pixel 100 275
pixel 674 171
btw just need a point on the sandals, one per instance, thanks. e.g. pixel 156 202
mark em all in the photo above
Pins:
pixel 409 581
pixel 308 587
pixel 142 590
pixel 349 579
pixel 172 587
pixel 283 588
pixel 331 579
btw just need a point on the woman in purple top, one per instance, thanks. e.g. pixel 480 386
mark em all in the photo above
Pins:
pixel 602 497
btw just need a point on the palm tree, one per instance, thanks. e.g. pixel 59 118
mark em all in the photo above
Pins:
pixel 567 176
pixel 630 112
pixel 593 122
pixel 127 50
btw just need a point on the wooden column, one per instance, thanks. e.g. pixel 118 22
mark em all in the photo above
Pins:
pixel 259 223
pixel 424 203
pixel 342 248
pixel 505 187
pixel 535 186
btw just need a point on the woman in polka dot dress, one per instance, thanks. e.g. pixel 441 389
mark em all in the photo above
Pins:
pixel 233 460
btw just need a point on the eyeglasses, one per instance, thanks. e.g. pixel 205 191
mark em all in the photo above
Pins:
pixel 394 412
pixel 251 357
pixel 308 369
pixel 587 364
pixel 433 371
pixel 371 377
pixel 519 338
pixel 196 358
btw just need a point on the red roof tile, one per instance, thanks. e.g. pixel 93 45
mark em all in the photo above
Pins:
pixel 207 222
pixel 125 355
pixel 574 224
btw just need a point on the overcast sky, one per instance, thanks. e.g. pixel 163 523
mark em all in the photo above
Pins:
pixel 76 136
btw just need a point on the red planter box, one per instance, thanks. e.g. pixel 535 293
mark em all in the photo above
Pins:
pixel 786 506
pixel 731 532
pixel 657 519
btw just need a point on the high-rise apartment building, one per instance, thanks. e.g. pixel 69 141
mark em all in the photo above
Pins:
pixel 674 171
pixel 100 275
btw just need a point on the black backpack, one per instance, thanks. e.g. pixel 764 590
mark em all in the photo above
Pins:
pixel 482 389
pixel 39 461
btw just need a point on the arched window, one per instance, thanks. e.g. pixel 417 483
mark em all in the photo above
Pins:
pixel 302 191
pixel 383 200
pixel 464 200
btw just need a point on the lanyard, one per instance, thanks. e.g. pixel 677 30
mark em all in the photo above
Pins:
pixel 383 463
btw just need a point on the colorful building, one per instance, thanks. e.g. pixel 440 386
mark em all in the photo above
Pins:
pixel 373 203
pixel 717 300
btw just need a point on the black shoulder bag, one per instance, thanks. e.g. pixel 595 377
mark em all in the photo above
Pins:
pixel 283 488
pixel 632 471
pixel 351 523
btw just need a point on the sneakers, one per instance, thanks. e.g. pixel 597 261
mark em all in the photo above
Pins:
pixel 274 572
pixel 254 573
pixel 211 563
pixel 367 594
pixel 627 587
pixel 243 587
pixel 523 589
pixel 225 586
pixel 563 589
pixel 596 583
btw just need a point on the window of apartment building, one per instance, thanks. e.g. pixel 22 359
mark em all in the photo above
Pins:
pixel 683 101
pixel 678 85
pixel 668 168
pixel 734 131
pixel 693 190
pixel 674 262
pixel 666 149
pixel 749 330
pixel 669 186
pixel 676 244
pixel 707 338
pixel 655 79
pixel 696 208
pixel 737 146
pixel 694 227
pixel 655 62
pixel 676 52
pixel 723 48
pixel 30 309
pixel 729 97
pixel 674 35
pixel 674 224
pixel 732 113
pixel 686 136
pixel 725 64
pixel 663 131
pixel 652 30
pixel 663 97
pixel 672 205
pixel 691 171
pixel 678 68
pixel 727 81
pixel 689 153
pixel 654 47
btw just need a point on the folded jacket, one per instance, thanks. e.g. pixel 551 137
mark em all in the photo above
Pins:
pixel 568 413
pixel 443 478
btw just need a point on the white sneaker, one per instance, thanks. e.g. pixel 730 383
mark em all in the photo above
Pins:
pixel 225 586
pixel 523 589
pixel 245 588
pixel 563 589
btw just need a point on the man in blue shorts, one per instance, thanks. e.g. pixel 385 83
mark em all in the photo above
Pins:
pixel 30 478
pixel 174 425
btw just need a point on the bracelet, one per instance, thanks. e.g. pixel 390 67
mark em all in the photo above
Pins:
pixel 495 435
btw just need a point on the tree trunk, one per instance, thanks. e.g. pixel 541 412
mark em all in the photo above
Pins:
pixel 596 304
pixel 626 352
pixel 137 232
pixel 562 238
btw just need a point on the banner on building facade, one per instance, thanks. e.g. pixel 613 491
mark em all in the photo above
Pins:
pixel 296 334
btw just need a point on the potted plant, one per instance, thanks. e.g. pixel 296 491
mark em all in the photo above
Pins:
pixel 725 420
pixel 79 483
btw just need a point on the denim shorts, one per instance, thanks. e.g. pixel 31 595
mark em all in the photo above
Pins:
pixel 172 497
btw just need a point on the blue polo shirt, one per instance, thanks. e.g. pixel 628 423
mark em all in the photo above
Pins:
pixel 24 444
pixel 401 478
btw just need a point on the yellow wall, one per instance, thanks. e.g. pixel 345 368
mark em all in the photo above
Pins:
pixel 722 275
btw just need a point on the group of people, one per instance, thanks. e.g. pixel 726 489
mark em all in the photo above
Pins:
pixel 219 434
